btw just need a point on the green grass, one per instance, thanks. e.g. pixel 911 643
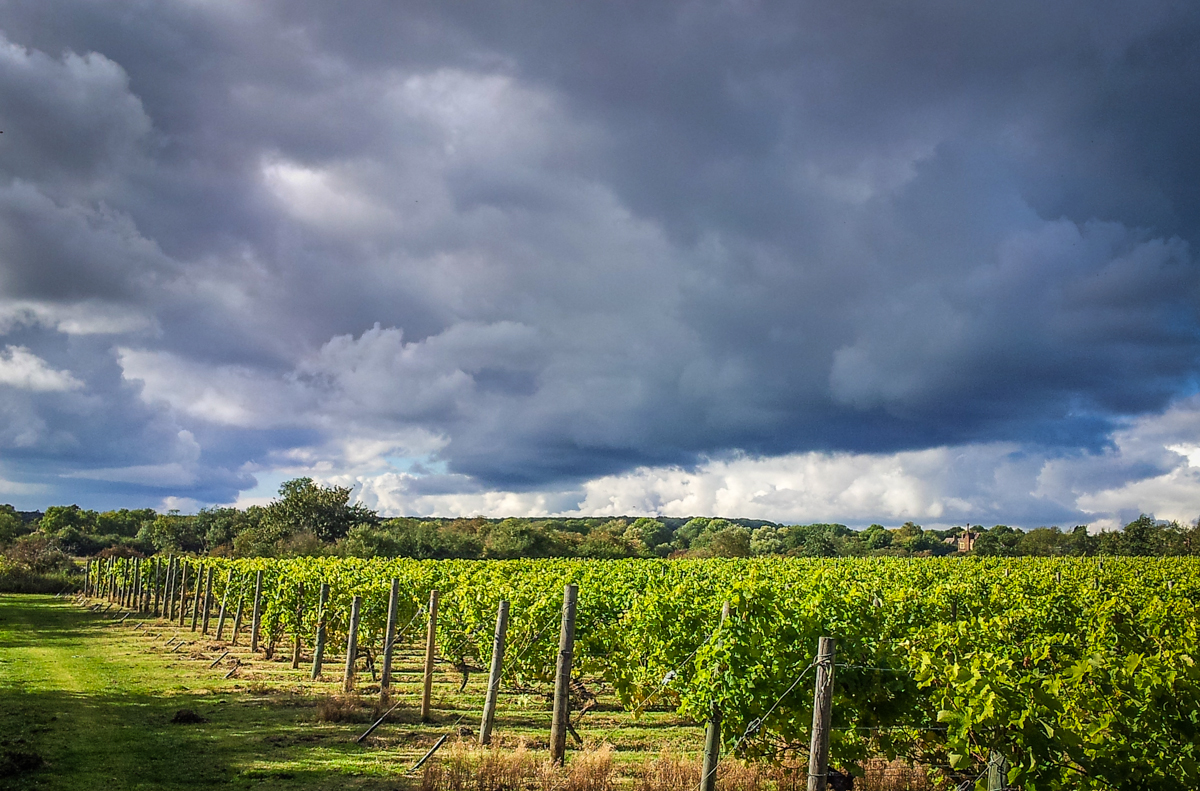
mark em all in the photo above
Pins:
pixel 94 699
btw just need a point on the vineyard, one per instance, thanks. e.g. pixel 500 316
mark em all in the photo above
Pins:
pixel 1075 673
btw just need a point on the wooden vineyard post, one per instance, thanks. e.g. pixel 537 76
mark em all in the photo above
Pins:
pixel 256 613
pixel 168 602
pixel 818 753
pixel 197 594
pixel 712 735
pixel 299 621
pixel 389 640
pixel 493 689
pixel 562 677
pixel 207 600
pixel 237 619
pixel 224 601
pixel 997 772
pixel 135 587
pixel 319 641
pixel 159 586
pixel 430 651
pixel 130 582
pixel 87 577
pixel 351 646
pixel 182 591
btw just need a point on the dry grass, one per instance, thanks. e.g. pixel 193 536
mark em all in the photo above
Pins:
pixel 467 768
pixel 347 708
pixel 471 769
pixel 666 773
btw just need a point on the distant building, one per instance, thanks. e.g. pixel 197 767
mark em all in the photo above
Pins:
pixel 965 541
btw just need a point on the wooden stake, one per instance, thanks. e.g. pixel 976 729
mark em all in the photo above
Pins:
pixel 351 646
pixel 299 622
pixel 157 589
pixel 256 614
pixel 319 641
pixel 183 567
pixel 237 620
pixel 207 600
pixel 562 678
pixel 168 599
pixel 196 596
pixel 87 577
pixel 430 651
pixel 818 753
pixel 997 772
pixel 389 639
pixel 224 600
pixel 493 689
pixel 712 735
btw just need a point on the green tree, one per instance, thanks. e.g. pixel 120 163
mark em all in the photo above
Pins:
pixel 12 526
pixel 732 541
pixel 61 517
pixel 998 541
pixel 305 506
pixel 172 532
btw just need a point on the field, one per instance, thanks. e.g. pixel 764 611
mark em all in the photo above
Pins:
pixel 1079 673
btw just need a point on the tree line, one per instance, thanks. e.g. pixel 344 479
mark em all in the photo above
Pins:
pixel 309 519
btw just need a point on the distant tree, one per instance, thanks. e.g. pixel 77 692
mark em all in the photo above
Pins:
pixel 517 538
pixel 12 526
pixel 686 535
pixel 998 541
pixel 172 532
pixel 305 506
pixel 124 523
pixel 650 536
pixel 61 517
pixel 732 541
pixel 1044 542
pixel 767 540
pixel 220 526
pixel 877 537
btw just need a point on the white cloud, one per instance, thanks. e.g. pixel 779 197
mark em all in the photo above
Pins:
pixel 22 369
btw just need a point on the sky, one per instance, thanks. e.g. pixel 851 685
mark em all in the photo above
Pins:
pixel 856 262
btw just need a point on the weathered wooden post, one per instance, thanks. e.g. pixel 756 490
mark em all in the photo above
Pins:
pixel 197 595
pixel 168 609
pixel 351 646
pixel 430 657
pixel 183 580
pixel 389 640
pixel 562 677
pixel 256 613
pixel 493 689
pixel 224 601
pixel 299 622
pixel 87 577
pixel 157 585
pixel 237 619
pixel 818 753
pixel 319 641
pixel 997 772
pixel 712 735
pixel 207 600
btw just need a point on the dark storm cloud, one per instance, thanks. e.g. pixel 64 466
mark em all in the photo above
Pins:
pixel 589 237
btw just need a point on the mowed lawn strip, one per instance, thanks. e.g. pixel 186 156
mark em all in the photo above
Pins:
pixel 96 706
pixel 95 700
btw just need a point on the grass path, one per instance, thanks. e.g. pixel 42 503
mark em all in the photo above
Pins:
pixel 97 707
pixel 95 699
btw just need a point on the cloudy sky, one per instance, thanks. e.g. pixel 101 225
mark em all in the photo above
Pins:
pixel 854 261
